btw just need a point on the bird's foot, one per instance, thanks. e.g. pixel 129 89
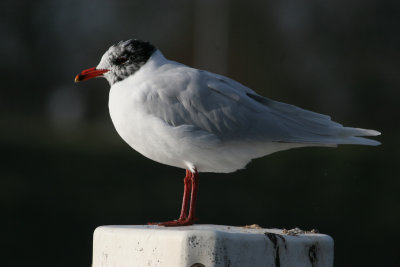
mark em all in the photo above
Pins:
pixel 179 222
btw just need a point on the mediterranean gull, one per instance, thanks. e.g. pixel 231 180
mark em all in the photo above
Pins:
pixel 201 121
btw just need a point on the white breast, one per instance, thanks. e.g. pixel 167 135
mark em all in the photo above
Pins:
pixel 145 133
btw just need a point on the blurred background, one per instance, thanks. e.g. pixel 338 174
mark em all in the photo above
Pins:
pixel 64 170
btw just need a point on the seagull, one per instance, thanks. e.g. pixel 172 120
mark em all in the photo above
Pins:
pixel 200 121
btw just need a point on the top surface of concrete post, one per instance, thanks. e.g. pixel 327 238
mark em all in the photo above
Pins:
pixel 209 245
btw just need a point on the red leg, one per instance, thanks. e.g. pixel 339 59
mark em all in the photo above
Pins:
pixel 191 183
pixel 193 199
pixel 186 191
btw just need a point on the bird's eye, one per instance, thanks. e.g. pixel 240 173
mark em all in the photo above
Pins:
pixel 120 60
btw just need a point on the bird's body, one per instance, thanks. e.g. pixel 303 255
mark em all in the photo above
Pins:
pixel 200 121
pixel 189 118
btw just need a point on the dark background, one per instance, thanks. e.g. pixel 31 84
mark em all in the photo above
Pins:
pixel 64 169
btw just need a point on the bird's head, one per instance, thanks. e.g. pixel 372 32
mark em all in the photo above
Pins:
pixel 120 61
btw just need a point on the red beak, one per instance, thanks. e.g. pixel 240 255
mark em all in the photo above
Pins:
pixel 88 74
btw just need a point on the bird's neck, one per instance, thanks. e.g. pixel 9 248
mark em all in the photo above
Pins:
pixel 156 60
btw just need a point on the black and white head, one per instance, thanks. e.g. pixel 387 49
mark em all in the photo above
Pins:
pixel 120 61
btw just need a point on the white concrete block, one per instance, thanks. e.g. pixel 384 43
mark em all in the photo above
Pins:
pixel 209 245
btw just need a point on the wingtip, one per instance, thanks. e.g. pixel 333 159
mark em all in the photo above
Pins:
pixel 373 132
pixel 369 142
pixel 366 132
pixel 376 143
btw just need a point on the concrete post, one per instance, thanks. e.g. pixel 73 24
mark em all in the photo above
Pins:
pixel 209 245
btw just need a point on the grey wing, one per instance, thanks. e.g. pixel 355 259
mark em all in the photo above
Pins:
pixel 233 112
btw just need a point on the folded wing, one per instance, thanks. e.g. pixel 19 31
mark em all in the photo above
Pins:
pixel 231 112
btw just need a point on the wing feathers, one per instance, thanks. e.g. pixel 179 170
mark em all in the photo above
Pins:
pixel 232 112
pixel 311 127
